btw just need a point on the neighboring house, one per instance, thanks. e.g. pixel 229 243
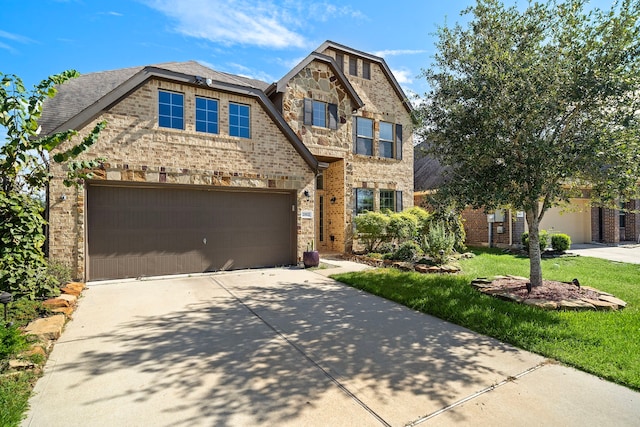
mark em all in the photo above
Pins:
pixel 206 171
pixel 582 222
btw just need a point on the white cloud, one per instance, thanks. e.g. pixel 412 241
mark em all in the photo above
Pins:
pixel 15 37
pixel 325 11
pixel 7 47
pixel 403 76
pixel 263 23
pixel 240 70
pixel 230 22
pixel 396 52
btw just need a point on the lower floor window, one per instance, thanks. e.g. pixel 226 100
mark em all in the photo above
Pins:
pixel 387 200
pixel 364 200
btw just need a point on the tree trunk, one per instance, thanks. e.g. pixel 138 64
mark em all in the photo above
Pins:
pixel 535 266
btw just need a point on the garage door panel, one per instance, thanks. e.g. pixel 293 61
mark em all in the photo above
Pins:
pixel 136 232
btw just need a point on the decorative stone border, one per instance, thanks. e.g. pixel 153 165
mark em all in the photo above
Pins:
pixel 401 265
pixel 594 299
pixel 47 330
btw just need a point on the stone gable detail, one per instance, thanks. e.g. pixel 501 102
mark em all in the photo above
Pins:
pixel 283 154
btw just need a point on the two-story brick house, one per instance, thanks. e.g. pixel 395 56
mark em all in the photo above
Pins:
pixel 206 171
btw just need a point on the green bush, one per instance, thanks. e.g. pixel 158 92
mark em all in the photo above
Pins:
pixel 408 251
pixel 60 271
pixel 371 229
pixel 402 226
pixel 560 242
pixel 438 243
pixel 544 240
pixel 12 341
pixel 24 310
pixel 385 248
pixel 452 221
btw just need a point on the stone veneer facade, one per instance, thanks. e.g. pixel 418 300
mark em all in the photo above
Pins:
pixel 138 151
pixel 349 171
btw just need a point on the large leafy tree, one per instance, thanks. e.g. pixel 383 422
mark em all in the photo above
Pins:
pixel 24 176
pixel 531 106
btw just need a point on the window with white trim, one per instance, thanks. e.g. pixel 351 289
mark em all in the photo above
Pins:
pixel 363 136
pixel 385 142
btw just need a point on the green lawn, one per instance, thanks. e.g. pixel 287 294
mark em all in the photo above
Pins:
pixel 606 344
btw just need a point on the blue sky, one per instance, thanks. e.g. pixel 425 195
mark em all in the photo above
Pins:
pixel 262 39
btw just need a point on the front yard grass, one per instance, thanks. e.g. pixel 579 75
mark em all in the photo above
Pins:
pixel 603 343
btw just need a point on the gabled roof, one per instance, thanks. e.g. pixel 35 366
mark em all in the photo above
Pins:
pixel 428 173
pixel 280 85
pixel 380 61
pixel 81 100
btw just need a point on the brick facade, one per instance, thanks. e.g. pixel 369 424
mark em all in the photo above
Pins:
pixel 137 150
pixel 605 223
pixel 349 171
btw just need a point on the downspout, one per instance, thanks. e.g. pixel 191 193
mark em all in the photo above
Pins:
pixel 510 228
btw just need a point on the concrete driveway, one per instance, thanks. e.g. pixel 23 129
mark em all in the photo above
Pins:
pixel 280 347
pixel 629 252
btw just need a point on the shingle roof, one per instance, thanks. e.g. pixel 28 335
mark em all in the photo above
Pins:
pixel 428 173
pixel 76 95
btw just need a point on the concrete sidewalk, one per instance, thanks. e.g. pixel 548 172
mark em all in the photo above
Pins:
pixel 292 347
pixel 629 252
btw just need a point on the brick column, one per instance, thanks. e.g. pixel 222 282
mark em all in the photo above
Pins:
pixel 611 225
pixel 595 224
pixel 632 229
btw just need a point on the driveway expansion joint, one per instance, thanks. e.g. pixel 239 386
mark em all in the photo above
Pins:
pixel 477 394
pixel 326 373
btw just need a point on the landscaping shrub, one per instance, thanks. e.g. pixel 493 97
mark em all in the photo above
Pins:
pixel 386 248
pixel 12 341
pixel 560 242
pixel 24 310
pixel 452 221
pixel 438 243
pixel 371 229
pixel 544 240
pixel 60 271
pixel 402 227
pixel 408 251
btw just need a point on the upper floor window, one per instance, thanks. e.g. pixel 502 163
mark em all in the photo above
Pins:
pixel 206 115
pixel 170 110
pixel 320 114
pixel 366 70
pixel 385 145
pixel 340 61
pixel 353 66
pixel 364 136
pixel 239 120
pixel 364 200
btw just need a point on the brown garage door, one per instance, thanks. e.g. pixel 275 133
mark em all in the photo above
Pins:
pixel 135 232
